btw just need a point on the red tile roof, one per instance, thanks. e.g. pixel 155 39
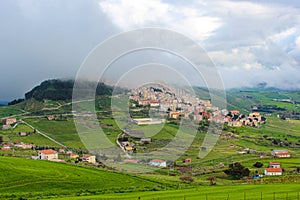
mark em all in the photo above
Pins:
pixel 274 163
pixel 273 170
pixel 159 161
pixel 48 151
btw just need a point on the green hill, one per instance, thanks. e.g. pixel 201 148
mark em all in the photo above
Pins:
pixel 57 89
pixel 34 178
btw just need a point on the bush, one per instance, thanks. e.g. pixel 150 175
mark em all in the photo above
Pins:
pixel 258 165
pixel 187 179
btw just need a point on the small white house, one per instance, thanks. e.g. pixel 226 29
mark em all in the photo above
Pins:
pixel 158 163
pixel 273 171
pixel 48 154
pixel 281 153
pixel 89 159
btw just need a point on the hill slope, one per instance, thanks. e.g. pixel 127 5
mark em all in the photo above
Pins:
pixel 33 178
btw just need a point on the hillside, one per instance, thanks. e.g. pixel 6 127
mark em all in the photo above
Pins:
pixel 32 178
pixel 57 89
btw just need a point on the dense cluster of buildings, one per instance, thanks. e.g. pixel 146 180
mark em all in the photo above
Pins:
pixel 181 104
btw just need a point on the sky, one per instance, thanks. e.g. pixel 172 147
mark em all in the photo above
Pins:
pixel 249 42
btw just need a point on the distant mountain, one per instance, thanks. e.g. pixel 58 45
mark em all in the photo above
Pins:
pixel 57 89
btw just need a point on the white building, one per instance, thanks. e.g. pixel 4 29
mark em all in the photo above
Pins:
pixel 89 159
pixel 48 154
pixel 158 163
pixel 273 171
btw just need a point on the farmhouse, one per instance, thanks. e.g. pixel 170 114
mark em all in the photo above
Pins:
pixel 281 153
pixel 48 154
pixel 22 134
pixel 274 165
pixel 6 147
pixel 9 121
pixel 158 163
pixel 88 158
pixel 187 160
pixel 273 171
pixel 74 156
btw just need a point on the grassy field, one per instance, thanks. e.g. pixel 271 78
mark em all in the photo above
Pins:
pixel 247 192
pixel 33 178
pixel 62 131
pixel 13 136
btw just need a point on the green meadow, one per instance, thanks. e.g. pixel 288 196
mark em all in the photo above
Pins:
pixel 28 178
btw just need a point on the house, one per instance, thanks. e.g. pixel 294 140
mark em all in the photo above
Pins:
pixel 146 140
pixel 187 160
pixel 23 145
pixel 6 147
pixel 273 171
pixel 48 154
pixel 74 156
pixel 88 158
pixel 281 154
pixel 6 127
pixel 128 148
pixel 274 165
pixel 158 163
pixel 9 121
pixel 175 115
pixel 154 103
pixel 22 134
pixel 51 117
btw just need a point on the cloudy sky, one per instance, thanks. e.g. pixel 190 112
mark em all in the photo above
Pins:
pixel 248 41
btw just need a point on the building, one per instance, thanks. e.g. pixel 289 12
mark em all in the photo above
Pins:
pixel 146 140
pixel 158 163
pixel 128 148
pixel 148 121
pixel 74 156
pixel 273 171
pixel 22 134
pixel 88 158
pixel 274 165
pixel 187 160
pixel 9 121
pixel 48 154
pixel 6 147
pixel 23 145
pixel 281 154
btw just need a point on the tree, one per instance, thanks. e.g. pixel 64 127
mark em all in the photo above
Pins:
pixel 1 139
pixel 237 171
pixel 258 165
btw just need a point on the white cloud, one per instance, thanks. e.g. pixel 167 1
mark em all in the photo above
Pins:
pixel 144 13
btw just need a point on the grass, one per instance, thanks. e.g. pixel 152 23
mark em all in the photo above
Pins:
pixel 12 136
pixel 33 178
pixel 62 131
pixel 250 192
